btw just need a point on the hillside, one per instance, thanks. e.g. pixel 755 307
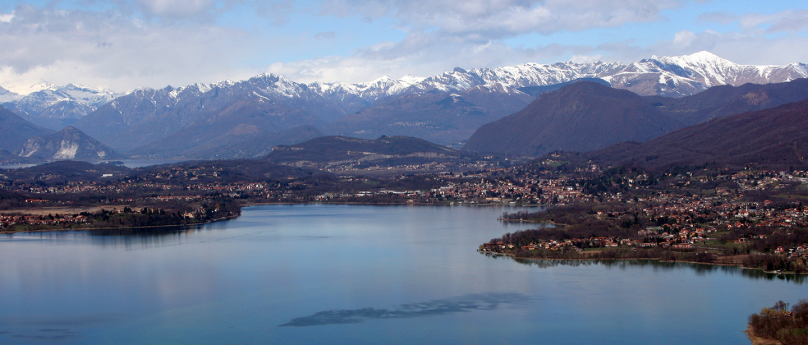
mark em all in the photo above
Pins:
pixel 14 130
pixel 256 146
pixel 441 117
pixel 58 172
pixel 239 122
pixel 582 116
pixel 338 150
pixel 7 158
pixel 67 144
pixel 776 138
pixel 200 112
pixel 725 100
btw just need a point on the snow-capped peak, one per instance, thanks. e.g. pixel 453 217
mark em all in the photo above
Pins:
pixel 382 79
pixel 670 76
pixel 410 79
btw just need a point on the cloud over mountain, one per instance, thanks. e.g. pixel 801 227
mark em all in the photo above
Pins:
pixel 153 43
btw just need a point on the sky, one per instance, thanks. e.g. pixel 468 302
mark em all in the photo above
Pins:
pixel 127 44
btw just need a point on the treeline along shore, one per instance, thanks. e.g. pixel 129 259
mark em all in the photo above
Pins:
pixel 779 324
pixel 80 195
pixel 620 231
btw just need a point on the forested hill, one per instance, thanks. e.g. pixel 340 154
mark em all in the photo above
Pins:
pixel 769 138
pixel 579 117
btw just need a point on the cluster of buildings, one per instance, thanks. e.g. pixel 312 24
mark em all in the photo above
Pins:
pixel 7 221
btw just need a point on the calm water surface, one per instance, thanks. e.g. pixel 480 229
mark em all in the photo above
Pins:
pixel 129 163
pixel 314 274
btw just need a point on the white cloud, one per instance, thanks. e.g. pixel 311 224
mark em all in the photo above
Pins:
pixel 175 8
pixel 586 58
pixel 487 19
pixel 422 54
pixel 6 17
pixel 737 47
pixel 684 38
pixel 790 21
pixel 276 11
pixel 426 55
pixel 114 50
pixel 793 21
pixel 160 42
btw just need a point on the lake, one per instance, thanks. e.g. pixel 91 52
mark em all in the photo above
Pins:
pixel 342 274
pixel 129 163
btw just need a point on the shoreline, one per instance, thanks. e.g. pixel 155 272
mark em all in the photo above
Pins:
pixel 249 204
pixel 531 221
pixel 647 259
pixel 6 232
pixel 758 340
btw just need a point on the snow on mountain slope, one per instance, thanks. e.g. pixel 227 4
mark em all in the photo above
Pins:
pixel 668 76
pixel 36 102
pixel 56 106
pixel 689 74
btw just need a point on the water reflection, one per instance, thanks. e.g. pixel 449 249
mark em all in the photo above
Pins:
pixel 51 329
pixel 488 301
pixel 143 238
pixel 49 334
pixel 701 269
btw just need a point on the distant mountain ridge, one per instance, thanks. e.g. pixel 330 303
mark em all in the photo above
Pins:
pixel 55 107
pixel 254 144
pixel 151 122
pixel 146 116
pixel 14 130
pixel 667 76
pixel 446 118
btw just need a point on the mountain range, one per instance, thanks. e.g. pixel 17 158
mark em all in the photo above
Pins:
pixel 587 116
pixel 201 120
pixel 56 107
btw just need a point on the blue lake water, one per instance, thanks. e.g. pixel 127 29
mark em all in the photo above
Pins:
pixel 326 274
pixel 129 163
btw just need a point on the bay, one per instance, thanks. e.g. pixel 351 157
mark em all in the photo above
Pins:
pixel 340 274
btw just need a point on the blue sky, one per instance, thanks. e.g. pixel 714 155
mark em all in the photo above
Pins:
pixel 125 44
